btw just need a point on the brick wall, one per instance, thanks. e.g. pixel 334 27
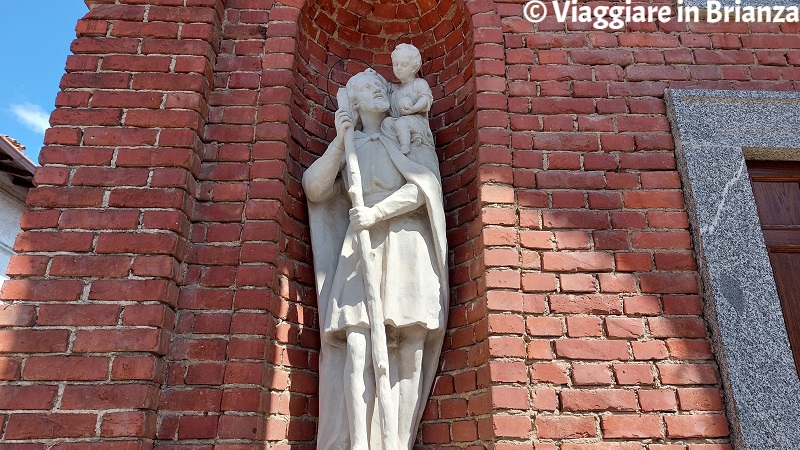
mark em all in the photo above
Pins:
pixel 163 296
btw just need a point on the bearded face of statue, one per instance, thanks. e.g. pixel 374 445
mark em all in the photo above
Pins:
pixel 370 95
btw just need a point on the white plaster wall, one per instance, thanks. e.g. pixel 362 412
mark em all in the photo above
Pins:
pixel 10 214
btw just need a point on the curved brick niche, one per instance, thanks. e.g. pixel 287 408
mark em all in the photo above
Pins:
pixel 338 38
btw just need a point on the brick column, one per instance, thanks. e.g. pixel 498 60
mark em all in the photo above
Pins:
pixel 96 283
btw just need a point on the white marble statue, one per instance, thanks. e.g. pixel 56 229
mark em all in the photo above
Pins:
pixel 411 99
pixel 380 255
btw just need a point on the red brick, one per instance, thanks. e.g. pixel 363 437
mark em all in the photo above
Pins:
pixel 633 374
pixel 682 305
pixel 97 219
pixel 572 240
pixel 581 400
pixel 506 323
pixel 668 283
pixel 136 340
pixel 657 400
pixel 591 374
pixel 78 314
pixel 33 341
pixel 585 304
pixel 624 327
pixel 50 426
pixel 653 199
pixel 128 423
pixel 661 240
pixel 239 427
pixel 700 399
pixel 10 368
pixel 633 262
pixel 593 220
pixel 644 305
pixel 578 282
pixel 17 315
pixel 539 349
pixel 687 349
pixel 554 179
pixel 133 290
pixel 90 266
pixel 607 445
pixel 115 445
pixel 242 399
pixel 106 176
pixel 584 327
pixel 537 239
pixel 632 220
pixel 44 241
pixel 502 279
pixel 616 282
pixel 503 397
pixel 710 447
pixel 592 349
pixel 194 399
pixel 27 397
pixel 646 350
pixel 565 427
pixel 432 433
pixel 506 346
pixel 577 261
pixel 631 427
pixel 139 243
pixel 147 198
pixel 73 368
pixel 697 426
pixel 690 327
pixel 137 368
pixel 687 374
pixel 198 427
pixel 675 261
pixel 548 373
pixel 109 137
pixel 27 265
pixel 544 399
pixel 538 282
pixel 543 326
pixel 117 396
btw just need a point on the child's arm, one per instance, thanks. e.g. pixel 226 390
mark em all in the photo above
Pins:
pixel 423 105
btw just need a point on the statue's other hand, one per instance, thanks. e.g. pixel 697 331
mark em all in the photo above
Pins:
pixel 363 217
pixel 344 121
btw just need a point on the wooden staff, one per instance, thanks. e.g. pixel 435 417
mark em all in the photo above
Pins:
pixel 380 357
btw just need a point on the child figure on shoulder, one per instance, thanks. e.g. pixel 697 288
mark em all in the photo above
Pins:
pixel 411 99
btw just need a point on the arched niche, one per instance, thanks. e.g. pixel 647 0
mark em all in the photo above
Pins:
pixel 339 38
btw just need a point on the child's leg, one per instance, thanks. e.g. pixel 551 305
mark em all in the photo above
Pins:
pixel 403 128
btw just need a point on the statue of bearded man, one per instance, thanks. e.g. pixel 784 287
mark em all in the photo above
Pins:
pixel 406 272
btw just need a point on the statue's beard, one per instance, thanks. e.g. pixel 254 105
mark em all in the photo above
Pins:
pixel 376 104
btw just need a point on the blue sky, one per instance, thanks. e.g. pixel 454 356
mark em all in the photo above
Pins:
pixel 35 36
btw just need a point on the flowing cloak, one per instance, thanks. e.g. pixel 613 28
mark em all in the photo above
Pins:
pixel 332 241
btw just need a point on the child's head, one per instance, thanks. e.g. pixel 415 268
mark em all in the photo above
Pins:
pixel 406 61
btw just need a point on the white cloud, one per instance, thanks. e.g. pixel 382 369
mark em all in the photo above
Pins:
pixel 33 116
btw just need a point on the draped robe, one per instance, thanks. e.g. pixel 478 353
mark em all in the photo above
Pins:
pixel 413 275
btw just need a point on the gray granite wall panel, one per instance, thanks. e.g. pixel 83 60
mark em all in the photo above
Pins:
pixel 711 128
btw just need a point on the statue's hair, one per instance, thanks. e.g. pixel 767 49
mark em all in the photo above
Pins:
pixel 408 49
pixel 370 72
